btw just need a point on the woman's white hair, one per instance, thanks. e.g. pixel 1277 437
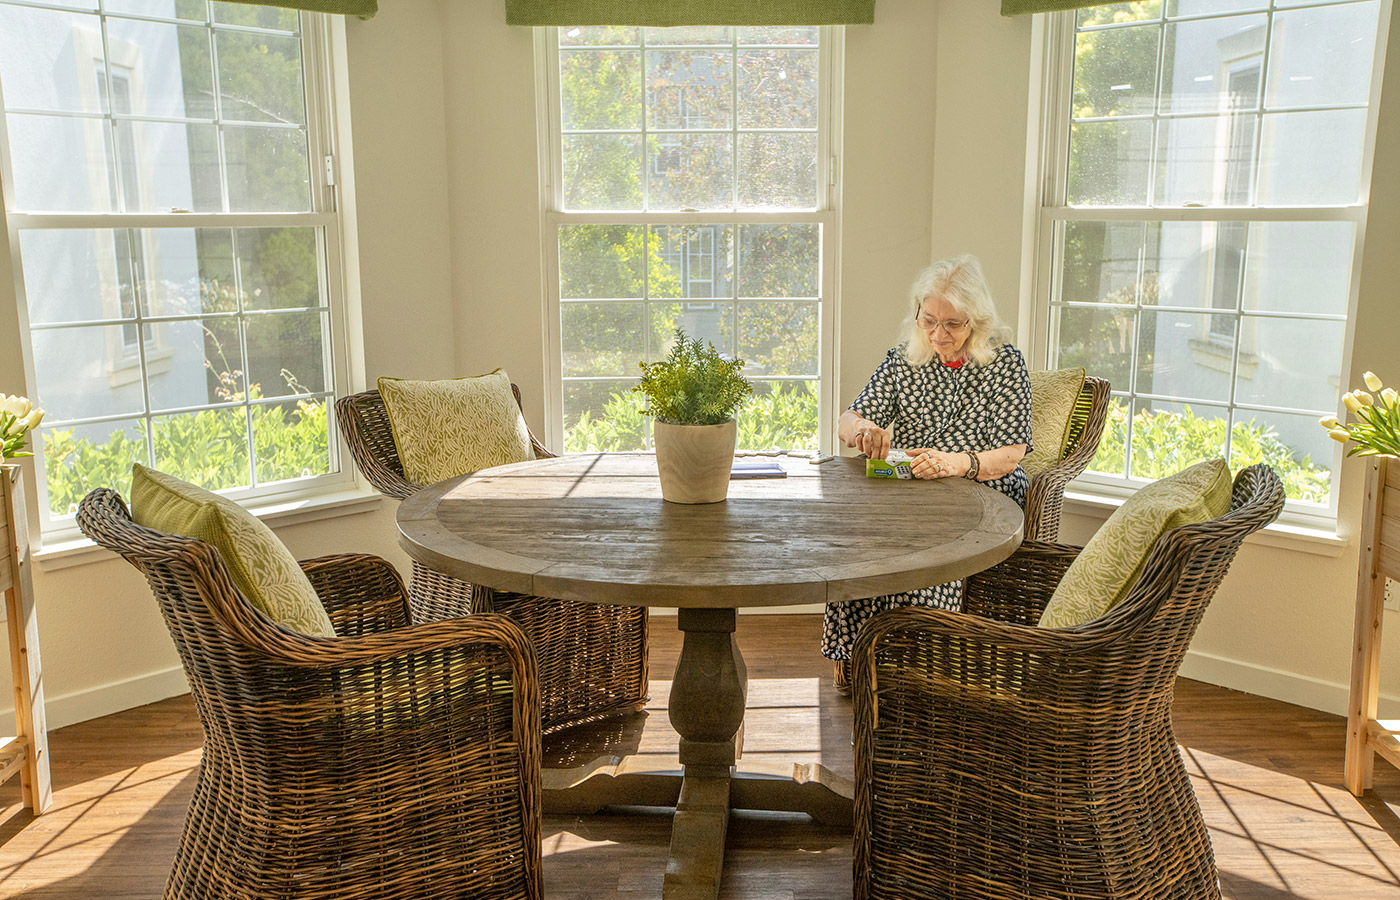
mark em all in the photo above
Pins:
pixel 958 281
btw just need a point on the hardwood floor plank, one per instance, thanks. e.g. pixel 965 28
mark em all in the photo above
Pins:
pixel 1268 775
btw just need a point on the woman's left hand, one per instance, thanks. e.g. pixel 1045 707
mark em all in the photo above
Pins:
pixel 929 464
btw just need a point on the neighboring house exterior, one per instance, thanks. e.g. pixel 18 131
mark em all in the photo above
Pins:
pixel 90 274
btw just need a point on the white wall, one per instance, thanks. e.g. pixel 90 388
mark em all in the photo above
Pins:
pixel 890 108
pixel 398 108
pixel 494 193
pixel 979 159
pixel 449 272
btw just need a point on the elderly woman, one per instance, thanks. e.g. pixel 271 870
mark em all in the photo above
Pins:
pixel 956 398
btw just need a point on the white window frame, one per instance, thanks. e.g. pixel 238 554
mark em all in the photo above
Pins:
pixel 1047 175
pixel 826 214
pixel 322 43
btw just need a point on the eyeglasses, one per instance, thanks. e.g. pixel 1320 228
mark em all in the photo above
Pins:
pixel 951 326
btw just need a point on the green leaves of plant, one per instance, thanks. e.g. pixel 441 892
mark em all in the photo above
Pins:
pixel 693 385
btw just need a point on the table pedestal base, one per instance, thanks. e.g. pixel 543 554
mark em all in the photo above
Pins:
pixel 807 788
pixel 707 711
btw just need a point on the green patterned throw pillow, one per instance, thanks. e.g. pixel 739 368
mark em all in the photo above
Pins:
pixel 1053 394
pixel 447 428
pixel 1105 570
pixel 257 561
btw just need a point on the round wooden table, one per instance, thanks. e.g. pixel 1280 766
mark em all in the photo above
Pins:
pixel 593 527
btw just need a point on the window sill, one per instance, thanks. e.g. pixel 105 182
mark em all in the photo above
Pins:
pixel 81 551
pixel 1288 536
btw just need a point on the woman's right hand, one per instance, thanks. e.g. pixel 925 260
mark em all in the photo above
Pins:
pixel 871 439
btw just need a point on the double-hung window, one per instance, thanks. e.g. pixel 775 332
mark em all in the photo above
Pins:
pixel 168 193
pixel 690 184
pixel 1207 164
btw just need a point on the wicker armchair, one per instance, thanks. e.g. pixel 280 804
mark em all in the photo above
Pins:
pixel 997 759
pixel 1046 496
pixel 592 658
pixel 393 762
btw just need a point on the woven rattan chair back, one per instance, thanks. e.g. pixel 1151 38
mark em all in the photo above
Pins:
pixel 394 762
pixel 592 658
pixel 1046 497
pixel 364 422
pixel 999 760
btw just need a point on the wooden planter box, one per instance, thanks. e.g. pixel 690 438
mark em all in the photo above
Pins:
pixel 27 752
pixel 1380 559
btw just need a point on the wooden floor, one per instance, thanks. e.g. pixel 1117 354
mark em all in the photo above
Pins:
pixel 1268 776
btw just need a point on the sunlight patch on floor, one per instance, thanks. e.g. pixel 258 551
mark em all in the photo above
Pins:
pixel 33 857
pixel 1302 833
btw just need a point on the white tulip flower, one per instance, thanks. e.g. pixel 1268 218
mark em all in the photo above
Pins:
pixel 31 421
pixel 1371 380
pixel 1329 422
pixel 1340 435
pixel 1350 402
pixel 1365 398
pixel 1389 396
pixel 15 405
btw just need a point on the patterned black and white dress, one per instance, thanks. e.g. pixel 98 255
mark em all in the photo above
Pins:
pixel 953 409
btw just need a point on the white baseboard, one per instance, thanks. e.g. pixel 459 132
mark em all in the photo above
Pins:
pixel 106 699
pixel 1277 684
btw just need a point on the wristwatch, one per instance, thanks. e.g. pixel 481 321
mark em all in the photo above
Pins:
pixel 973 469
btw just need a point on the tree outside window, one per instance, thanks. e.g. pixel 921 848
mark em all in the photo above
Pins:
pixel 659 128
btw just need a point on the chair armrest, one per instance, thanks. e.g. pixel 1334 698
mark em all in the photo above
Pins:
pixel 955 663
pixel 411 668
pixel 1017 589
pixel 362 594
pixel 979 633
pixel 453 702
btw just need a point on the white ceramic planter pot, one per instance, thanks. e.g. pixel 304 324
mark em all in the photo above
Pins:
pixel 694 460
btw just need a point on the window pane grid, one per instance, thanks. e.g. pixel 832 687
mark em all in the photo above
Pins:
pixel 1216 404
pixel 206 338
pixel 658 158
pixel 701 277
pixel 156 120
pixel 1225 152
pixel 1188 116
pixel 670 246
pixel 122 148
pixel 1266 106
pixel 1196 310
pixel 202 407
pixel 154 320
pixel 1164 17
pixel 92 9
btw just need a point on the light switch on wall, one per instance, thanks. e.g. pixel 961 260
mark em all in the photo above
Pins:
pixel 1392 595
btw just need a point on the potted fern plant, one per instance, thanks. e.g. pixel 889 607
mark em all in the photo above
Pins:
pixel 692 396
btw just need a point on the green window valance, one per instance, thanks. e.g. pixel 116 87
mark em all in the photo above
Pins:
pixel 665 13
pixel 362 8
pixel 1026 7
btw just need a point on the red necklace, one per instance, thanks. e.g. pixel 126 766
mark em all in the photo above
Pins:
pixel 955 364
